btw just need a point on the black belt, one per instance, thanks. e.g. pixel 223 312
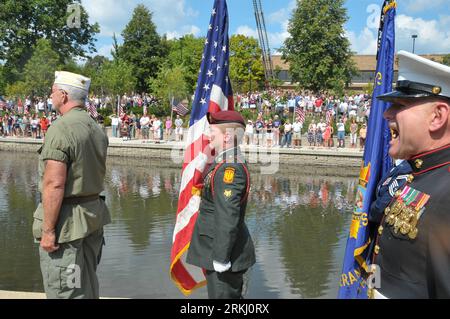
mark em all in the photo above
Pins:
pixel 78 200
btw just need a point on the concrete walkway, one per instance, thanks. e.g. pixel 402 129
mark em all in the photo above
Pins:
pixel 319 150
pixel 21 295
pixel 29 295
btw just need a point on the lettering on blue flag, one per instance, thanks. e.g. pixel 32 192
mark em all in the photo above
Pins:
pixel 376 164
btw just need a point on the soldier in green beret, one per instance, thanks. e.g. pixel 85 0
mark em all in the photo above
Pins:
pixel 69 221
pixel 221 243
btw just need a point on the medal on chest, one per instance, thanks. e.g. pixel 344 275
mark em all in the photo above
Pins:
pixel 404 213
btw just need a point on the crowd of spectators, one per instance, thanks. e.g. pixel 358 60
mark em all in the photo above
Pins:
pixel 290 119
pixel 276 118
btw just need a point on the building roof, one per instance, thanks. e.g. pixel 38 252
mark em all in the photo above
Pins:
pixel 363 62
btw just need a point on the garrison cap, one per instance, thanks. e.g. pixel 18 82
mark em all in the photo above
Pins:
pixel 418 78
pixel 72 79
pixel 224 117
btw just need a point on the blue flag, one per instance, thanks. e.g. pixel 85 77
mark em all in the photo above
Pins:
pixel 377 163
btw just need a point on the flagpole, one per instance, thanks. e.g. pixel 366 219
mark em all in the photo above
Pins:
pixel 295 109
pixel 171 107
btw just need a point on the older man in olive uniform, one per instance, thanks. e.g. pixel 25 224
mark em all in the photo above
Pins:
pixel 413 245
pixel 221 243
pixel 69 221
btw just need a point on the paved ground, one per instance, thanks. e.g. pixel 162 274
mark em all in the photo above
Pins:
pixel 20 295
pixel 164 144
pixel 28 295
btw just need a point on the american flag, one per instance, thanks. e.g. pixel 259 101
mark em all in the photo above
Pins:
pixel 180 109
pixel 300 112
pixel 92 109
pixel 213 94
pixel 119 106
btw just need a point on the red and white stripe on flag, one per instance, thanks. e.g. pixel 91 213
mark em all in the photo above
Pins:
pixel 92 110
pixel 197 157
pixel 213 94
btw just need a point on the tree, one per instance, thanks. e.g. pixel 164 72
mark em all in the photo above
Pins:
pixel 2 80
pixel 115 78
pixel 39 73
pixel 317 50
pixel 142 46
pixel 94 65
pixel 23 23
pixel 169 83
pixel 246 67
pixel 16 89
pixel 92 69
pixel 446 60
pixel 186 51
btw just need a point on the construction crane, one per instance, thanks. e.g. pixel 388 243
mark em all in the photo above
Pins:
pixel 263 41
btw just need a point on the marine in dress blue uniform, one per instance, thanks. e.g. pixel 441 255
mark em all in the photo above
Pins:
pixel 412 247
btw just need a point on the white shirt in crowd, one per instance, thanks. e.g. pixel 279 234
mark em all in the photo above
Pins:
pixel 297 126
pixel 288 128
pixel 340 127
pixel 41 106
pixel 115 121
pixel 178 123
pixel 145 121
pixel 249 128
pixel 156 125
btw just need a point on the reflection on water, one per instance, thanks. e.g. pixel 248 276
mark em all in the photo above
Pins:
pixel 298 221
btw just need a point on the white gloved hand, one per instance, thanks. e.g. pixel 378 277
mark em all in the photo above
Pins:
pixel 220 268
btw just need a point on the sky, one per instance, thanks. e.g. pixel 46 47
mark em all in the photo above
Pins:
pixel 429 19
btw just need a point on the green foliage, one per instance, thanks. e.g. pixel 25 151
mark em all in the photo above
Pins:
pixel 369 89
pixel 94 65
pixel 39 72
pixel 24 23
pixel 276 82
pixel 115 78
pixel 93 70
pixel 446 60
pixel 246 67
pixel 2 81
pixel 187 52
pixel 317 50
pixel 72 66
pixel 169 83
pixel 16 89
pixel 142 46
pixel 106 112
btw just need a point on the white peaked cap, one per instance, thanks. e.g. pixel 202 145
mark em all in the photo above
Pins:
pixel 419 77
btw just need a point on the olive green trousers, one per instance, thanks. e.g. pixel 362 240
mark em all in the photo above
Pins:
pixel 70 272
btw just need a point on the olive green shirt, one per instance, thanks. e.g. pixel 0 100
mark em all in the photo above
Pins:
pixel 78 141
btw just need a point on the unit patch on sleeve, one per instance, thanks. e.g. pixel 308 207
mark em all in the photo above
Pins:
pixel 228 177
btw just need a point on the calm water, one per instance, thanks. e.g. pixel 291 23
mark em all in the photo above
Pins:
pixel 298 220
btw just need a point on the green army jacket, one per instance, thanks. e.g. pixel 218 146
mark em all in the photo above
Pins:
pixel 220 232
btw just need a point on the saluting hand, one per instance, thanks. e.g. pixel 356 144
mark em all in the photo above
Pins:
pixel 48 242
